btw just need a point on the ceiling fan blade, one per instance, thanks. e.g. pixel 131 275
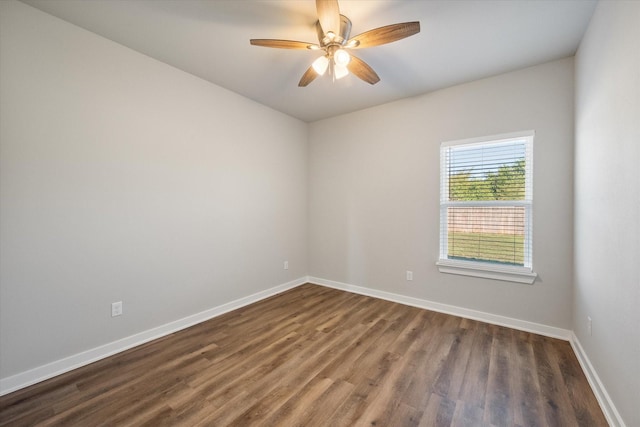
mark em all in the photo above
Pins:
pixel 384 35
pixel 329 15
pixel 308 77
pixel 362 70
pixel 282 44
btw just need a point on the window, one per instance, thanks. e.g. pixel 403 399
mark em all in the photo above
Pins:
pixel 486 197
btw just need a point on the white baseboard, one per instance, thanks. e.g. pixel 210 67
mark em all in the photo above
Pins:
pixel 50 370
pixel 608 408
pixel 495 319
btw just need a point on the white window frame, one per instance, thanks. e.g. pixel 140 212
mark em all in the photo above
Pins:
pixel 488 270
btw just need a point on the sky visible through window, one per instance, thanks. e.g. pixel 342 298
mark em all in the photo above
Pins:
pixel 481 159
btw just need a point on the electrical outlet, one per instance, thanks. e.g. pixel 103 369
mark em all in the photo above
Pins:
pixel 116 309
pixel 589 325
pixel 409 275
pixel 286 265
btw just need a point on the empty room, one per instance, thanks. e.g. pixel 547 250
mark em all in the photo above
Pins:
pixel 320 213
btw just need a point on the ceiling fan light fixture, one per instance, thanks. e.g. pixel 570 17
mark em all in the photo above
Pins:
pixel 340 71
pixel 341 57
pixel 352 43
pixel 320 65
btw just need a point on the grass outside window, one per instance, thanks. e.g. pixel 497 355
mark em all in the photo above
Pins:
pixel 487 247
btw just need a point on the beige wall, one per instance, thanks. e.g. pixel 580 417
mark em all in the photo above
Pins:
pixel 374 192
pixel 607 202
pixel 123 178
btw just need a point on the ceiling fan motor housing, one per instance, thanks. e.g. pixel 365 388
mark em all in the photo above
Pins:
pixel 341 38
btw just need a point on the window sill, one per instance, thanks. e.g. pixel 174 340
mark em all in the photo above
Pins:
pixel 467 268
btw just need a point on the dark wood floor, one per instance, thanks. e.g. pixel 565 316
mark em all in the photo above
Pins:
pixel 315 356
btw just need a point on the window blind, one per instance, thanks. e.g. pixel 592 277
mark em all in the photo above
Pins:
pixel 486 200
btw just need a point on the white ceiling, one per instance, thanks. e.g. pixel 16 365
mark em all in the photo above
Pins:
pixel 460 41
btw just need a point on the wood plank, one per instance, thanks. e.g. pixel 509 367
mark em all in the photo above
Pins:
pixel 556 403
pixel 525 400
pixel 438 412
pixel 498 411
pixel 476 375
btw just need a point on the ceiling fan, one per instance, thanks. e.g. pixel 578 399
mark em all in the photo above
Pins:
pixel 333 36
